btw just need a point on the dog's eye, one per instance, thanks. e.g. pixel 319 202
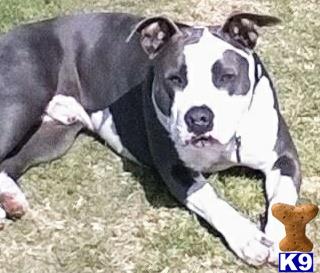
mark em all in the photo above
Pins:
pixel 175 80
pixel 228 77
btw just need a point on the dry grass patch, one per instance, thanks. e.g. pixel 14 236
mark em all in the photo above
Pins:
pixel 90 215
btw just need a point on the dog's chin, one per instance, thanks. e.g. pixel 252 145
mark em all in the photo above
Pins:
pixel 202 141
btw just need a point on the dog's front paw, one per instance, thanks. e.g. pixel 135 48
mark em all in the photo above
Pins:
pixel 250 244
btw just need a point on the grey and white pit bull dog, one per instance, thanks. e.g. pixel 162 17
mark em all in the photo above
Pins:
pixel 180 99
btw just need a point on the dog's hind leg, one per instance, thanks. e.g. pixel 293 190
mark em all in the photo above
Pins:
pixel 50 141
pixel 17 122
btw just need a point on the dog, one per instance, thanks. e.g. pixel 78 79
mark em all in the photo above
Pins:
pixel 183 100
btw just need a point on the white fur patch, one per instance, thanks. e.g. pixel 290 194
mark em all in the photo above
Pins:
pixel 259 68
pixel 258 129
pixel 8 185
pixel 104 125
pixel 244 238
pixel 46 118
pixel 279 189
pixel 97 120
pixel 67 110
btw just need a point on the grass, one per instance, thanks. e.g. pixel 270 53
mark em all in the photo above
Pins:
pixel 88 214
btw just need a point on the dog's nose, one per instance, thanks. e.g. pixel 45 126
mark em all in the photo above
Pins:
pixel 199 119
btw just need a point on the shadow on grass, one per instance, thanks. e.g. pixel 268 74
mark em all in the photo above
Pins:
pixel 156 191
pixel 158 195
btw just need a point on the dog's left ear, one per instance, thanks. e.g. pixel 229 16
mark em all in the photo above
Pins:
pixel 243 27
pixel 155 32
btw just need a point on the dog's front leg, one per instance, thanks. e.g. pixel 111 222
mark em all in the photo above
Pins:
pixel 243 237
pixel 282 186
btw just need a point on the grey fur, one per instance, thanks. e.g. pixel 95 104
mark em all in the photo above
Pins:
pixel 231 73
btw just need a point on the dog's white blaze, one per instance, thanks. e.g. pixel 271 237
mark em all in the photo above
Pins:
pixel 104 125
pixel 259 128
pixel 248 242
pixel 200 90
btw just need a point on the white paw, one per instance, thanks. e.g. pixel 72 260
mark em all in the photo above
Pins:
pixel 67 110
pixel 250 244
pixel 12 200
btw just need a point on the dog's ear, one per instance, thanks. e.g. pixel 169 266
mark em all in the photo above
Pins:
pixel 155 32
pixel 243 27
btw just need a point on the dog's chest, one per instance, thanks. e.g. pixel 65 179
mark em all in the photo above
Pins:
pixel 211 159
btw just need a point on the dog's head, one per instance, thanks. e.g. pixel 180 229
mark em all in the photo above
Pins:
pixel 203 77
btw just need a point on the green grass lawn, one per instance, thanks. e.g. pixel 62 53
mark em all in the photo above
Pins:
pixel 90 214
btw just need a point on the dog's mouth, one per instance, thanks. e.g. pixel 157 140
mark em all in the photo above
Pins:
pixel 202 141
